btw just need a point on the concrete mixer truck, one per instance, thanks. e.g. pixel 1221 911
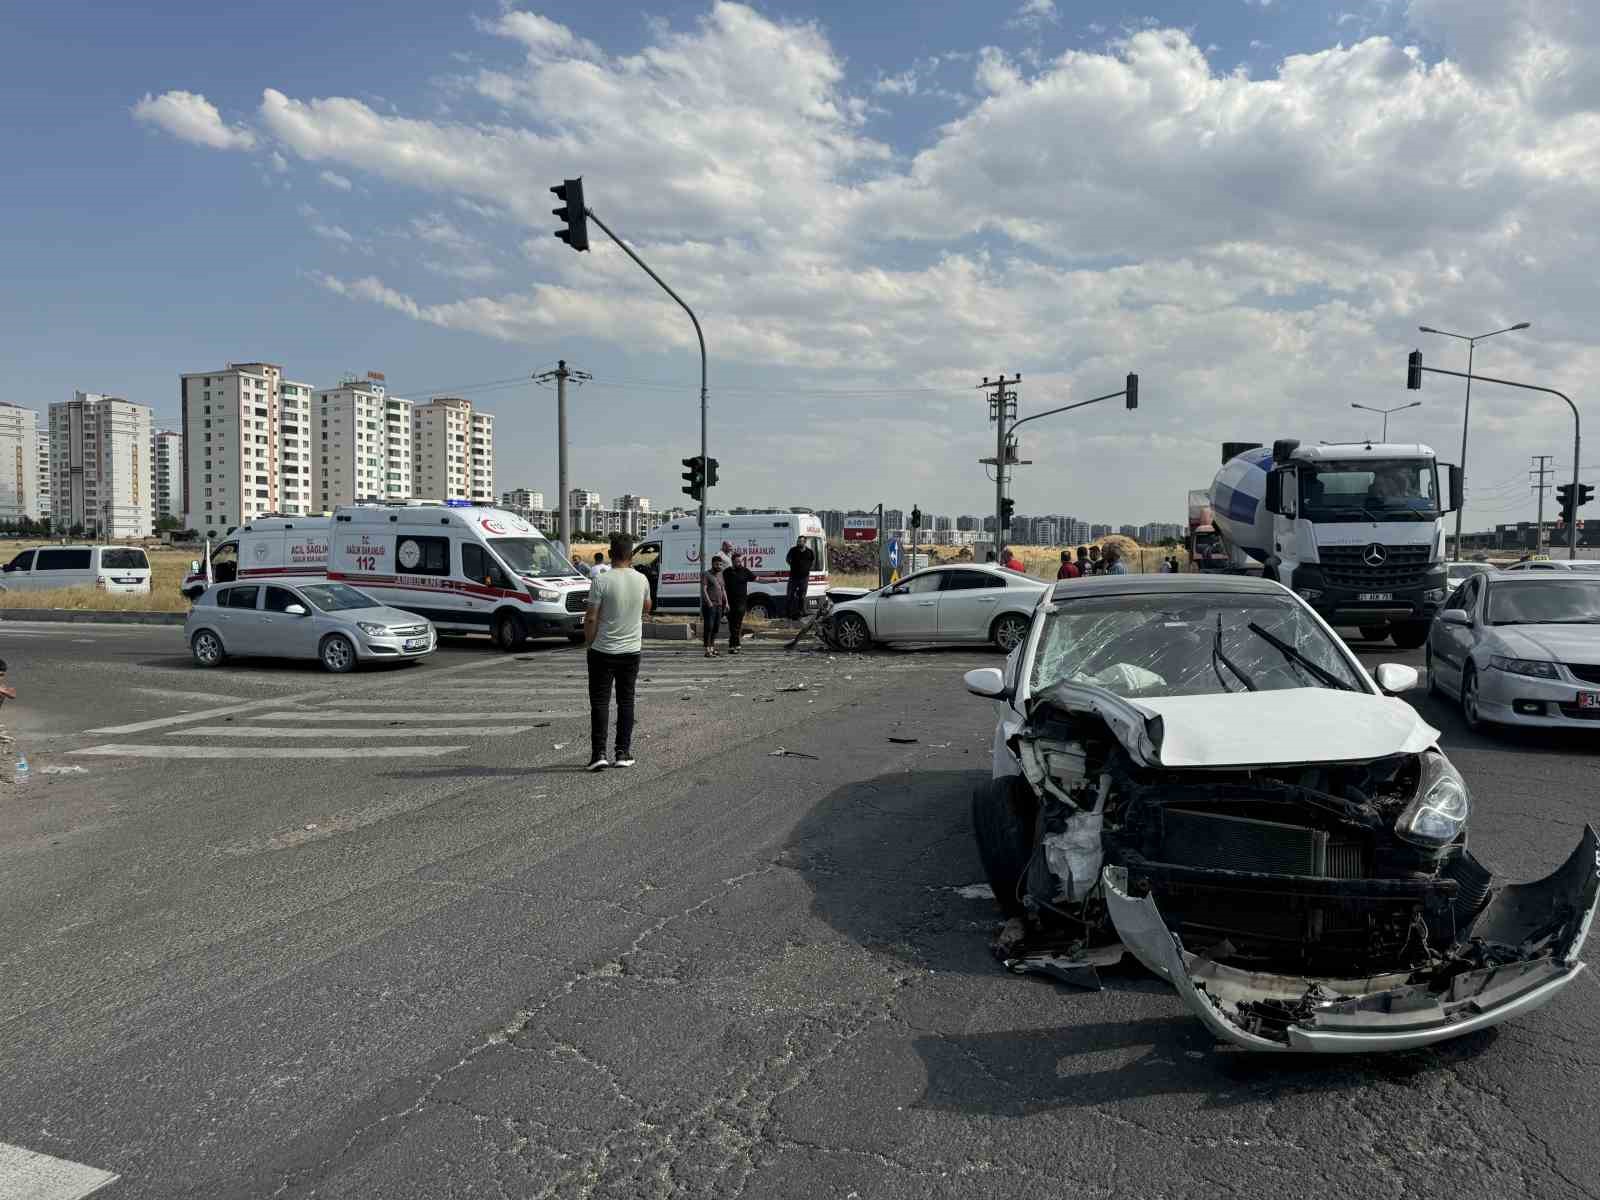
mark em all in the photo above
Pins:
pixel 1356 528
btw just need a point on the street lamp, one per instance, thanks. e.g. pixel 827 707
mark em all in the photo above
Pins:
pixel 1472 343
pixel 1386 411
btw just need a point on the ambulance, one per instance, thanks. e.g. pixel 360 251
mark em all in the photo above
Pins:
pixel 465 568
pixel 670 557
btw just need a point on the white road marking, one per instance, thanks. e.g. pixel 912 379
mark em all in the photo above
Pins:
pixel 446 696
pixel 189 718
pixel 172 694
pixel 433 715
pixel 26 1175
pixel 118 751
pixel 290 731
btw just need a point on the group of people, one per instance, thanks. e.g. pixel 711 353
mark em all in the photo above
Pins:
pixel 1091 560
pixel 725 592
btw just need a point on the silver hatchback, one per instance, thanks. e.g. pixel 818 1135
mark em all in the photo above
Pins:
pixel 333 622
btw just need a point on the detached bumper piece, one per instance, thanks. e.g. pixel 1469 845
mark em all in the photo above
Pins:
pixel 1519 951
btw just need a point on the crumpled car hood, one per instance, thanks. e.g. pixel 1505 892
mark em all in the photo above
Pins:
pixel 1297 725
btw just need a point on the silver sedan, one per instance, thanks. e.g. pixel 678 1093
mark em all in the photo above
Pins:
pixel 1518 648
pixel 333 622
pixel 965 602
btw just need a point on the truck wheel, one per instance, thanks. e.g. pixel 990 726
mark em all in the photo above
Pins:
pixel 508 632
pixel 1409 635
pixel 1374 633
pixel 1003 814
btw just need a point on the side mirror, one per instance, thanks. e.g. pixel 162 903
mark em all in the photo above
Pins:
pixel 1455 616
pixel 296 610
pixel 1395 678
pixel 987 682
pixel 194 565
pixel 1273 501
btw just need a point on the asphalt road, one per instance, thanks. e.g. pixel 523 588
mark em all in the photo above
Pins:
pixel 462 967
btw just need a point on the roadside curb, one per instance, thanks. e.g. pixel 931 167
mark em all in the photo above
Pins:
pixel 667 631
pixel 88 616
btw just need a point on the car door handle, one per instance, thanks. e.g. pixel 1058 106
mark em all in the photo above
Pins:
pixel 987 599
pixel 927 603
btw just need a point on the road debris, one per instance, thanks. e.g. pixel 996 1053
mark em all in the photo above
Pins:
pixel 904 741
pixel 780 752
pixel 64 770
pixel 562 745
pixel 794 687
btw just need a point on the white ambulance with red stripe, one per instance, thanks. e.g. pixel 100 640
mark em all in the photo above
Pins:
pixel 465 568
pixel 670 556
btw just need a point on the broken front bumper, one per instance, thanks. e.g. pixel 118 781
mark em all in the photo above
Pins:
pixel 1543 924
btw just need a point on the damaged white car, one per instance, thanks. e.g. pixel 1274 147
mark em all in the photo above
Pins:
pixel 1197 770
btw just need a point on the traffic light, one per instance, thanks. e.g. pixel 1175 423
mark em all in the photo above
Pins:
pixel 570 193
pixel 711 472
pixel 695 476
pixel 1007 507
pixel 1414 371
pixel 1133 391
pixel 916 517
pixel 1564 503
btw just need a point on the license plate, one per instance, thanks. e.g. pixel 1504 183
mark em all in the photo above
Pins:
pixel 1589 699
pixel 114 579
pixel 1376 596
pixel 416 643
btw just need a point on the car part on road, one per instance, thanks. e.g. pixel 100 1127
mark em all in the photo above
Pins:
pixel 337 654
pixel 208 651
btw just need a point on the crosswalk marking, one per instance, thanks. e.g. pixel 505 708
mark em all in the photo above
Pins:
pixel 300 731
pixel 432 715
pixel 187 718
pixel 29 1175
pixel 180 751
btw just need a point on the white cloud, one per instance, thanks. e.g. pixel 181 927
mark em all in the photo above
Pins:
pixel 280 164
pixel 546 40
pixel 190 117
pixel 335 180
pixel 1035 14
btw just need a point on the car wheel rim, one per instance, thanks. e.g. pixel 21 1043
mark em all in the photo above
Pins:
pixel 207 648
pixel 850 635
pixel 337 655
pixel 1008 635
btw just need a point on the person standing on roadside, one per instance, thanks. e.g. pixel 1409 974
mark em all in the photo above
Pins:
pixel 1067 570
pixel 713 603
pixel 1112 558
pixel 800 559
pixel 613 627
pixel 1011 562
pixel 600 566
pixel 1096 562
pixel 736 582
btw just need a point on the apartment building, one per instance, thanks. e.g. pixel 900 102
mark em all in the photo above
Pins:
pixel 297 449
pixel 100 466
pixel 452 451
pixel 19 464
pixel 43 477
pixel 364 444
pixel 522 500
pixel 166 475
pixel 631 503
pixel 232 469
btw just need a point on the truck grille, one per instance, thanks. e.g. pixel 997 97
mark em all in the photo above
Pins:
pixel 1403 567
pixel 578 600
pixel 1585 672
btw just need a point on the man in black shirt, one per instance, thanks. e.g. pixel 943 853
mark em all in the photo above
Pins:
pixel 800 558
pixel 736 582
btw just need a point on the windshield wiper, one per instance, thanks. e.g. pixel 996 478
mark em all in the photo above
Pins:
pixel 1218 656
pixel 1293 655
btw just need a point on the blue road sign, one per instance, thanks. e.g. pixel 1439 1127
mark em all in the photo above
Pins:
pixel 894 552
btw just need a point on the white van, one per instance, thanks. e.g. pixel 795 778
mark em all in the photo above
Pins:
pixel 466 569
pixel 107 568
pixel 670 557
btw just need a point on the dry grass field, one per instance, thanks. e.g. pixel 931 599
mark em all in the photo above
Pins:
pixel 167 569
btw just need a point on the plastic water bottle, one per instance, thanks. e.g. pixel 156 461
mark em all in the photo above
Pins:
pixel 23 772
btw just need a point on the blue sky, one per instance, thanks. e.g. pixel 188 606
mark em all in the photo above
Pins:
pixel 874 205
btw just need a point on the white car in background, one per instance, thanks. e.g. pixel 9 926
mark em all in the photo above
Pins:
pixel 1582 566
pixel 958 602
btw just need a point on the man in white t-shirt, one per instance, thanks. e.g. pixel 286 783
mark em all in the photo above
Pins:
pixel 600 566
pixel 613 626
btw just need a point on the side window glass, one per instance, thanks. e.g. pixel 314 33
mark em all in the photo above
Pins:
pixel 474 563
pixel 920 584
pixel 961 581
pixel 416 554
pixel 242 597
pixel 279 599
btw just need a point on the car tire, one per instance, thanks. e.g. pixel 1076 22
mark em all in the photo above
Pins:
pixel 1470 703
pixel 1374 633
pixel 577 639
pixel 758 609
pixel 338 654
pixel 1008 631
pixel 1433 679
pixel 1409 635
pixel 508 632
pixel 850 632
pixel 1003 816
pixel 207 649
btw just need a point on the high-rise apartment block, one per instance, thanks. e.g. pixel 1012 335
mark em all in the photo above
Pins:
pixel 100 466
pixel 364 449
pixel 522 500
pixel 19 464
pixel 166 475
pixel 43 440
pixel 232 469
pixel 297 449
pixel 631 503
pixel 452 451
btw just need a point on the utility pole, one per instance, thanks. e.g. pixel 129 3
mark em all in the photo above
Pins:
pixel 564 512
pixel 1002 405
pixel 1542 472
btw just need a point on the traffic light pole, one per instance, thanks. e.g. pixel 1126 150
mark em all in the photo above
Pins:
pixel 628 250
pixel 1000 402
pixel 1577 434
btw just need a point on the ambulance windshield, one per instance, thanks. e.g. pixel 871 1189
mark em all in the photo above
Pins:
pixel 537 557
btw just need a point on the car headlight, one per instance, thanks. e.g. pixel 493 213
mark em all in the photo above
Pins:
pixel 548 595
pixel 1438 812
pixel 1524 666
pixel 372 628
pixel 1433 595
pixel 1309 593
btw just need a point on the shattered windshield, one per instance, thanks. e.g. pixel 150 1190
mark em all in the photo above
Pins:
pixel 1192 644
pixel 1370 490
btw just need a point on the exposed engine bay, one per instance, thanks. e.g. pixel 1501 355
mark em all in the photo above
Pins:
pixel 1308 906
